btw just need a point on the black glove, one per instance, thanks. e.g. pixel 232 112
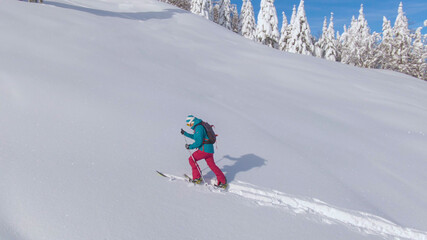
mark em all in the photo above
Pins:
pixel 182 131
pixel 187 146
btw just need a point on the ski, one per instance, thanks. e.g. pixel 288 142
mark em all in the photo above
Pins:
pixel 161 174
pixel 189 179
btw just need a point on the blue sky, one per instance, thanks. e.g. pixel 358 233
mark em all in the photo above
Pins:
pixel 316 10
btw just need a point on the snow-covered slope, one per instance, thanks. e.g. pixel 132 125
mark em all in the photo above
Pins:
pixel 93 94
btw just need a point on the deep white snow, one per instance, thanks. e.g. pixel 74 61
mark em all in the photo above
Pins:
pixel 93 94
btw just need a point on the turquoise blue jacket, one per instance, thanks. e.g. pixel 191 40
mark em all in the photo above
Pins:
pixel 198 136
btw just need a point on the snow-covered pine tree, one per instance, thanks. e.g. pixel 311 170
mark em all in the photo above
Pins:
pixel 215 13
pixel 247 16
pixel 338 46
pixel 346 41
pixel 418 56
pixel 289 29
pixel 202 8
pixel 267 31
pixel 368 42
pixel 294 15
pixel 284 36
pixel 224 18
pixel 340 41
pixel 196 6
pixel 358 49
pixel 207 9
pixel 242 13
pixel 234 19
pixel 331 43
pixel 402 43
pixel 301 40
pixel 320 45
pixel 383 56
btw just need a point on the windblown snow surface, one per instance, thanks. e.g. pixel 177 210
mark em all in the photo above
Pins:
pixel 93 94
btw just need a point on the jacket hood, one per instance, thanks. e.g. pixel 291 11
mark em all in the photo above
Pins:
pixel 196 121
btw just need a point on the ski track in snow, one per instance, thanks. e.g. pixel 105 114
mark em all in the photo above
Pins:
pixel 360 221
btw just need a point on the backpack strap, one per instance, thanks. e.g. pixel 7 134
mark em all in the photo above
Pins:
pixel 206 131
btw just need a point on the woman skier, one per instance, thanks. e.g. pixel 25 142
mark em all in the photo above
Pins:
pixel 204 151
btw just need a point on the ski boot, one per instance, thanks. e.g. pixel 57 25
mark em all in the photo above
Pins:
pixel 221 185
pixel 197 181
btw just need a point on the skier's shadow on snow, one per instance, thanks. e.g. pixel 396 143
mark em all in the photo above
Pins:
pixel 168 13
pixel 241 164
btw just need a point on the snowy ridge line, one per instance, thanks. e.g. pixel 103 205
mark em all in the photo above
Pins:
pixel 363 222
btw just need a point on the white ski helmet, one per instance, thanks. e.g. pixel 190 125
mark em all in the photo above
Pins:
pixel 190 120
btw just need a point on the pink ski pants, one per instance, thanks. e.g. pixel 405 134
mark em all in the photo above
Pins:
pixel 199 155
